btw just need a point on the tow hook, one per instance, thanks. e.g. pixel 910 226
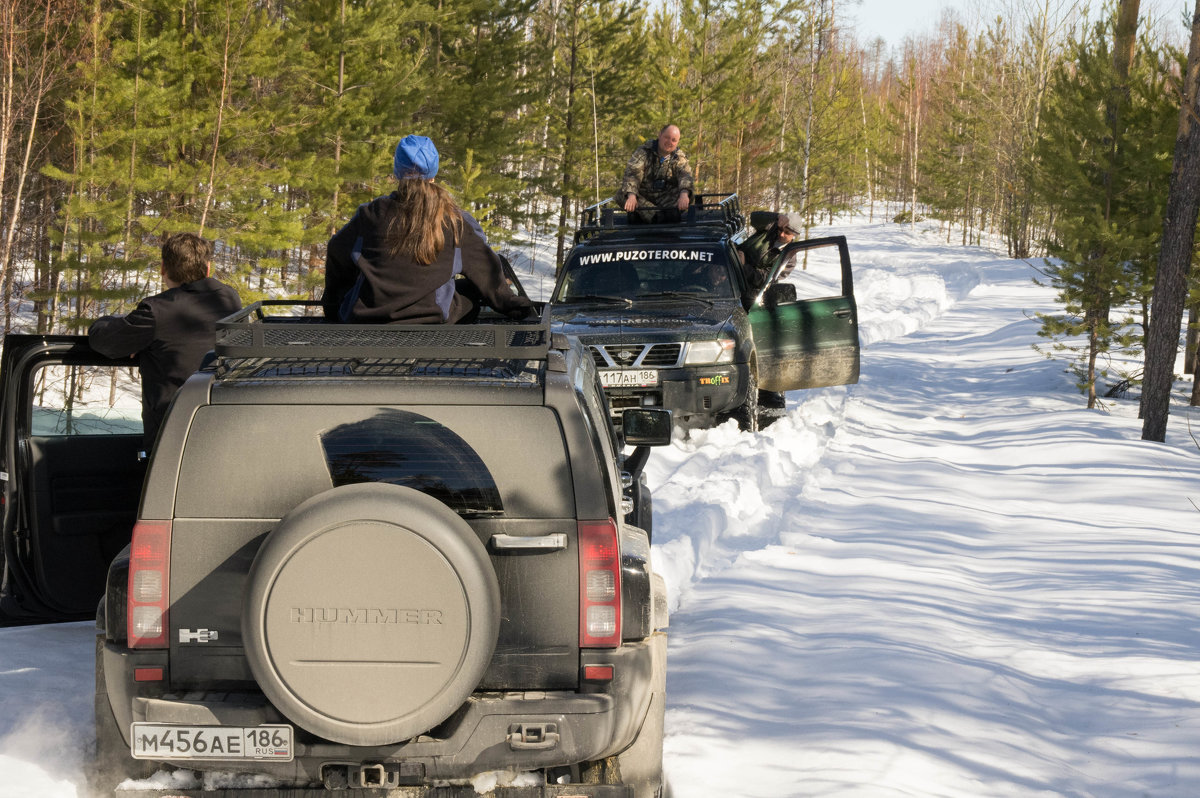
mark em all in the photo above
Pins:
pixel 368 775
pixel 533 736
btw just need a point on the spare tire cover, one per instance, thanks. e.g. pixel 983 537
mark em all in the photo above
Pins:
pixel 370 614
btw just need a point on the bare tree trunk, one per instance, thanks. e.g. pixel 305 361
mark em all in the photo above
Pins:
pixel 862 107
pixel 216 148
pixel 1175 257
pixel 337 138
pixel 567 177
pixel 1193 338
pixel 783 117
pixel 810 92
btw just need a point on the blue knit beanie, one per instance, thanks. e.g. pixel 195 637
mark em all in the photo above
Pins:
pixel 415 154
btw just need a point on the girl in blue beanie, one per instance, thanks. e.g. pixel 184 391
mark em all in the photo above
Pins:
pixel 397 258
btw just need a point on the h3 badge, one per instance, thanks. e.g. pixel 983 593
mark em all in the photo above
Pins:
pixel 198 636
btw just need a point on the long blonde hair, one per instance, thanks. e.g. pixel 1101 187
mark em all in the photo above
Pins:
pixel 422 213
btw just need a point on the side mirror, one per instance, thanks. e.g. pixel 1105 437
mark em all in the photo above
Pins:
pixel 778 294
pixel 646 426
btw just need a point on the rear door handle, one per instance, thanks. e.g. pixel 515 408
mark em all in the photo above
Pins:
pixel 553 542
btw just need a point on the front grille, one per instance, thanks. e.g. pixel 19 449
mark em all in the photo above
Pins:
pixel 663 355
pixel 637 355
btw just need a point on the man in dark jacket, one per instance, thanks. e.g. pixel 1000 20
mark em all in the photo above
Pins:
pixel 171 332
pixel 657 175
pixel 762 248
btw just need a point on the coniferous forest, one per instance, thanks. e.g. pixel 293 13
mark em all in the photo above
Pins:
pixel 262 124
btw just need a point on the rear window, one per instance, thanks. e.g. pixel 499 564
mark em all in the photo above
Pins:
pixel 260 461
pixel 403 448
pixel 640 271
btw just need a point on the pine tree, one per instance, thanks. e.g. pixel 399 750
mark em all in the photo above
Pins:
pixel 598 53
pixel 356 75
pixel 1106 193
pixel 479 101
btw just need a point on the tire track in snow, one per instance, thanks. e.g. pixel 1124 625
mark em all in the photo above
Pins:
pixel 720 493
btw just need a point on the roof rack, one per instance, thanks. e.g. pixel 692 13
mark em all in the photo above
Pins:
pixel 253 333
pixel 722 210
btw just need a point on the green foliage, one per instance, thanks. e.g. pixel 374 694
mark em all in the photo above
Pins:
pixel 264 125
pixel 1103 173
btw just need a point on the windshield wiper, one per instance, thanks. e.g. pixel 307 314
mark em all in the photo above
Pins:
pixel 624 300
pixel 679 295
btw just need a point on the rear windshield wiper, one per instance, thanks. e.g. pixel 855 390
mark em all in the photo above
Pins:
pixel 624 300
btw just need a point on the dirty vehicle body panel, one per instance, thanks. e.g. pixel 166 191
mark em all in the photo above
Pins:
pixel 673 320
pixel 385 564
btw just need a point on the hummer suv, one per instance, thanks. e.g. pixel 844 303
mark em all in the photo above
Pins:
pixel 367 557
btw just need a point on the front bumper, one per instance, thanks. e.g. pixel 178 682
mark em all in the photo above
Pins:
pixel 694 394
pixel 491 731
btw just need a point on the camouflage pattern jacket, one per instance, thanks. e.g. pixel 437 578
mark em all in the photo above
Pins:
pixel 656 180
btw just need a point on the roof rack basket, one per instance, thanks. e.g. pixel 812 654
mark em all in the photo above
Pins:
pixel 706 210
pixel 253 333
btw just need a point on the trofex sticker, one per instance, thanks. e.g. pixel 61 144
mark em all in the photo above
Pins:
pixel 198 636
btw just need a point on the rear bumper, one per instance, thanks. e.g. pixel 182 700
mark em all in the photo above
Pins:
pixel 485 734
pixel 449 791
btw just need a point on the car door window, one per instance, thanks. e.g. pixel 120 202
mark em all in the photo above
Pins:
pixel 814 273
pixel 72 400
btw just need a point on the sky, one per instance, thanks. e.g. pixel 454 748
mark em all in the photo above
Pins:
pixel 951 579
pixel 892 20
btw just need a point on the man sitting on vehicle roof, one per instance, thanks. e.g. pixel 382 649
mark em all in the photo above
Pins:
pixel 761 250
pixel 657 176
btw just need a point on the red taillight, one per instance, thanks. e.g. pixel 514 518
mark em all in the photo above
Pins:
pixel 599 585
pixel 149 572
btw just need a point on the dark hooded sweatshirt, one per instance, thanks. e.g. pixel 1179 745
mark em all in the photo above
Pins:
pixel 365 283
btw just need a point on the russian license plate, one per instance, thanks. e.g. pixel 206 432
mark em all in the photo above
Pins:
pixel 172 741
pixel 628 378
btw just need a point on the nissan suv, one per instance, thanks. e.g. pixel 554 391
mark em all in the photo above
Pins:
pixel 674 320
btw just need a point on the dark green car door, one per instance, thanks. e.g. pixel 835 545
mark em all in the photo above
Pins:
pixel 805 321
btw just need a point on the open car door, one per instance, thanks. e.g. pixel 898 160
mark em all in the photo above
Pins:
pixel 71 430
pixel 805 320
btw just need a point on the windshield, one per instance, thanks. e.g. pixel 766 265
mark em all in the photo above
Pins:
pixel 620 274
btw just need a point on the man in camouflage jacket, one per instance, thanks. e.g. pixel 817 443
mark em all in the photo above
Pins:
pixel 657 175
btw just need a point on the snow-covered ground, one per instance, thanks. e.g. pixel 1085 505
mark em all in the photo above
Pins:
pixel 948 580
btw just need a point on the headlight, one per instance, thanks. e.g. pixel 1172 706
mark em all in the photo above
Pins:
pixel 718 351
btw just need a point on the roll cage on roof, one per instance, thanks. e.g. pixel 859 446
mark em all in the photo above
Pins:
pixel 721 211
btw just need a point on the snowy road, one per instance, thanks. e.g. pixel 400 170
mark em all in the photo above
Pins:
pixel 948 580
